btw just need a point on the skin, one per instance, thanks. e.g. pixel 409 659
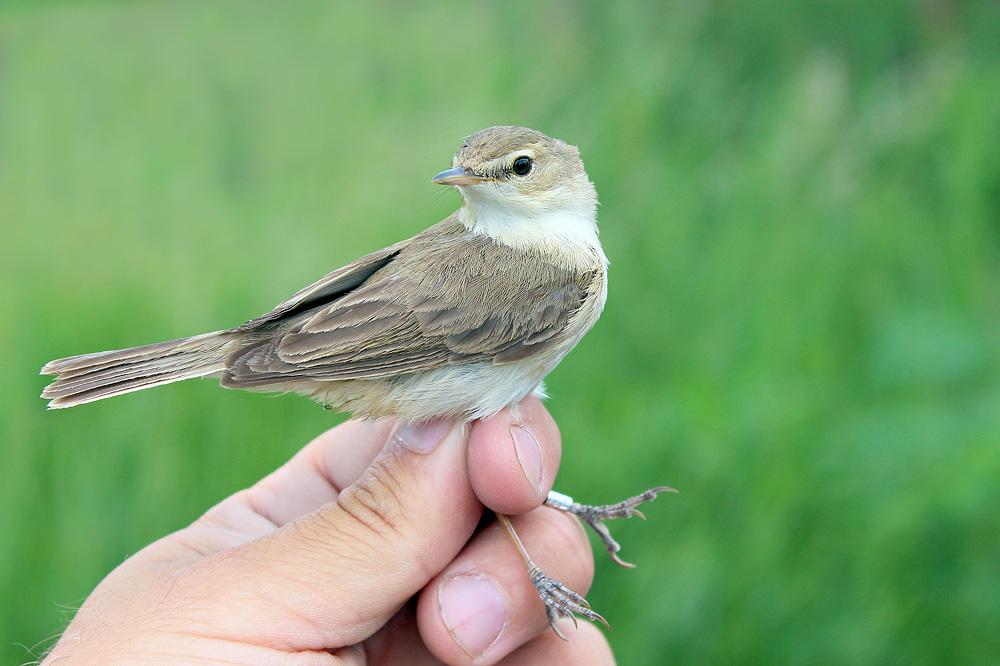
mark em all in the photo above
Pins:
pixel 344 555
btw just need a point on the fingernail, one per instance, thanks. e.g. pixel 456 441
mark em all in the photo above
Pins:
pixel 474 610
pixel 529 455
pixel 422 437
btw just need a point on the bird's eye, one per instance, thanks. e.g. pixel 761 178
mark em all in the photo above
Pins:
pixel 522 165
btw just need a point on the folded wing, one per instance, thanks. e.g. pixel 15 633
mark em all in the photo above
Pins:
pixel 446 297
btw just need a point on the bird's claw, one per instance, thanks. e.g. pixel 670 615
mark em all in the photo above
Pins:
pixel 594 516
pixel 560 601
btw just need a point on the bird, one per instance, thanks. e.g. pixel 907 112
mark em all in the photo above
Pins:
pixel 458 322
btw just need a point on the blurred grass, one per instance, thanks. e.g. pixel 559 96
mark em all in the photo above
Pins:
pixel 801 202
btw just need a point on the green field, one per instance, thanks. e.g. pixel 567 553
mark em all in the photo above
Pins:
pixel 801 203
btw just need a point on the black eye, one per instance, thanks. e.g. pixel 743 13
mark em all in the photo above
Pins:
pixel 522 165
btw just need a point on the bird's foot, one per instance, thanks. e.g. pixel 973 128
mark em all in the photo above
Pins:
pixel 560 601
pixel 595 515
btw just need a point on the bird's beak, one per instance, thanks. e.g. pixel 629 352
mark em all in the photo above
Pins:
pixel 458 176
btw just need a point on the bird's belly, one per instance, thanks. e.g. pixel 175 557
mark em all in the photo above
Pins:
pixel 465 392
pixel 472 391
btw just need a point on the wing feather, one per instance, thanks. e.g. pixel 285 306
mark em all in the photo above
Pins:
pixel 329 287
pixel 445 297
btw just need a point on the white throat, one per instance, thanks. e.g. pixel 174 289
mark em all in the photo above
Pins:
pixel 563 227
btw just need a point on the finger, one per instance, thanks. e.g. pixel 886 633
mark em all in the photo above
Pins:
pixel 317 473
pixel 514 457
pixel 586 645
pixel 399 642
pixel 334 576
pixel 500 450
pixel 312 478
pixel 483 606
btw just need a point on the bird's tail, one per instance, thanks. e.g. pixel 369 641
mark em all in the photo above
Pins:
pixel 90 377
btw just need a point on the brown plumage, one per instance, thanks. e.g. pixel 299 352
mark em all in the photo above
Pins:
pixel 454 297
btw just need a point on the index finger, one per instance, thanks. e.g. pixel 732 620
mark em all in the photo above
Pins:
pixel 513 458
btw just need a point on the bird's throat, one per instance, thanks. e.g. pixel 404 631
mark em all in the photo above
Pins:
pixel 568 237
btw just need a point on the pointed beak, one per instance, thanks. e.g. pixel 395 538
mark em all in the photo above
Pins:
pixel 458 176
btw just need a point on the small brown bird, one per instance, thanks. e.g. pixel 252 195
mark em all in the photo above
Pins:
pixel 457 322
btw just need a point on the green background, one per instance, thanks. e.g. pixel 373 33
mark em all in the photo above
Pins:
pixel 801 203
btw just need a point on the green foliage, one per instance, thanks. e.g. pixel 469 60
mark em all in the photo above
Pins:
pixel 800 202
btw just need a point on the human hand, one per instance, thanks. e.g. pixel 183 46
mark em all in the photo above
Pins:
pixel 389 570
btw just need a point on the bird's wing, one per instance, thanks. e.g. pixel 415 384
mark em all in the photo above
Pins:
pixel 328 288
pixel 448 297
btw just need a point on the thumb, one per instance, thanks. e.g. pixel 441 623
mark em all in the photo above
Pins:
pixel 335 576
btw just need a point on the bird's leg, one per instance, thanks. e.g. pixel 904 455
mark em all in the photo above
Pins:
pixel 595 515
pixel 559 600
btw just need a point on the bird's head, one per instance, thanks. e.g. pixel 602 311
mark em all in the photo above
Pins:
pixel 521 174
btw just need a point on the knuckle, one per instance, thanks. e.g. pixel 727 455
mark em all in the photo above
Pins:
pixel 375 501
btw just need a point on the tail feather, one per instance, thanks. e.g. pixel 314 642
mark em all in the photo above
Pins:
pixel 85 363
pixel 90 377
